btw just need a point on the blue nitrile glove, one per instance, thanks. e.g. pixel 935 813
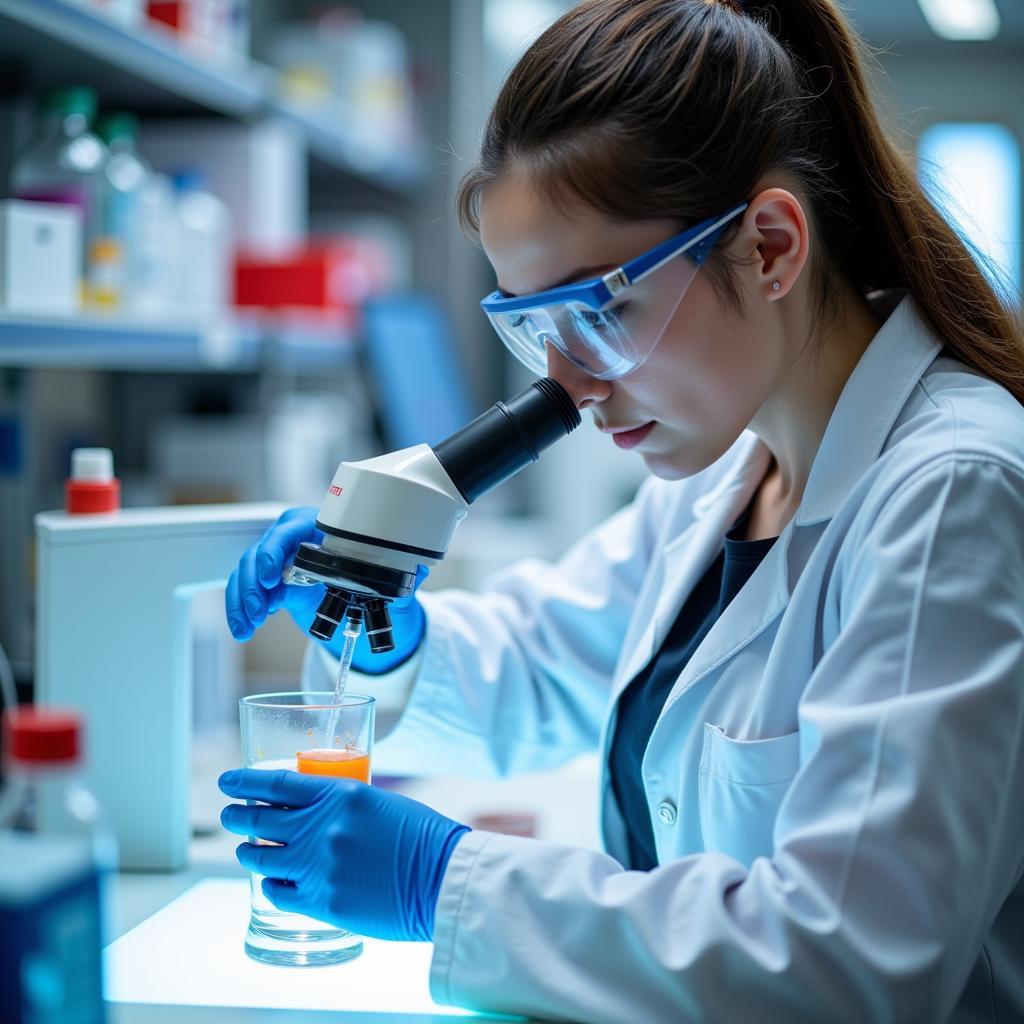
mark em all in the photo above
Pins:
pixel 354 855
pixel 256 590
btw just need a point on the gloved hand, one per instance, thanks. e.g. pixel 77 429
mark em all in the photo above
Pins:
pixel 354 855
pixel 256 590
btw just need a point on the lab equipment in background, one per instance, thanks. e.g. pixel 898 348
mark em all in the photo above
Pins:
pixel 259 169
pixel 210 459
pixel 311 734
pixel 204 248
pixel 383 517
pixel 106 259
pixel 214 30
pixel 344 69
pixel 64 163
pixel 128 12
pixel 284 454
pixel 331 277
pixel 306 435
pixel 112 639
pixel 40 257
pixel 153 262
pixel 56 852
pixel 92 487
pixel 218 681
pixel 127 177
pixel 422 391
pixel 388 233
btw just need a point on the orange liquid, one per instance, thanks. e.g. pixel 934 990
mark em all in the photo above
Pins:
pixel 348 764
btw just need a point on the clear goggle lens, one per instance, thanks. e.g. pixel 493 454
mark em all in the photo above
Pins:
pixel 609 341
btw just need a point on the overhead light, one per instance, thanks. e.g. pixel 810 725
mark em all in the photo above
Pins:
pixel 961 19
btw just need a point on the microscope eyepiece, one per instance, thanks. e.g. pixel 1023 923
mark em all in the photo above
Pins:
pixel 507 437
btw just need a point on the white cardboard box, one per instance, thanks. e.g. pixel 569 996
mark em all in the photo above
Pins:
pixel 40 257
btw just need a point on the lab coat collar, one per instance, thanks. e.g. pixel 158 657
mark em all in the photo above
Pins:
pixel 869 404
pixel 687 556
pixel 871 400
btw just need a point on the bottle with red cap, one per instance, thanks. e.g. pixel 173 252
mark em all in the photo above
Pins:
pixel 92 486
pixel 55 854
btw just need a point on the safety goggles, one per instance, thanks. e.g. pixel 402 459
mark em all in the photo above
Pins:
pixel 610 324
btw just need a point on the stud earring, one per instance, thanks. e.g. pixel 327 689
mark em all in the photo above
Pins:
pixel 776 286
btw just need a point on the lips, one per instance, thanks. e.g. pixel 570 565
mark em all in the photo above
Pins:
pixel 631 438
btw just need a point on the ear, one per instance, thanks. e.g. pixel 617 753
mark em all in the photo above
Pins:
pixel 775 229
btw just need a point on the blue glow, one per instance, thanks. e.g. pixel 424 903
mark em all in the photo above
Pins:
pixel 972 172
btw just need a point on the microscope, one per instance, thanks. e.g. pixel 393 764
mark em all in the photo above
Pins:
pixel 384 516
pixel 115 592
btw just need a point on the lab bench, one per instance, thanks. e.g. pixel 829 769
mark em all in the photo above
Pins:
pixel 563 803
pixel 137 896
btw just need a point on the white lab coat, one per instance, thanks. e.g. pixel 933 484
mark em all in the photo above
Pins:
pixel 835 779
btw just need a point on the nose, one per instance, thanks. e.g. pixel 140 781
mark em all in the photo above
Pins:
pixel 583 389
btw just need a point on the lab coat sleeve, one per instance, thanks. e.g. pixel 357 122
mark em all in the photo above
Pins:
pixel 894 847
pixel 516 677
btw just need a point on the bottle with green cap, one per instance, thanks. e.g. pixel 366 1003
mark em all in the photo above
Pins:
pixel 64 162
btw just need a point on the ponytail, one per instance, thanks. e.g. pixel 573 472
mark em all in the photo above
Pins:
pixel 885 230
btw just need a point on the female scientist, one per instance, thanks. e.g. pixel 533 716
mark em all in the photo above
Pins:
pixel 800 650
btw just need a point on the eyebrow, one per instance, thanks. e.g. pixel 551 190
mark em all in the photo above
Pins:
pixel 576 275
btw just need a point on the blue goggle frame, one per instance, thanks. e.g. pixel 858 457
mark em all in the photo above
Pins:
pixel 697 242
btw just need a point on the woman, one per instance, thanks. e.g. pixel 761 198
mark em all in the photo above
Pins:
pixel 800 648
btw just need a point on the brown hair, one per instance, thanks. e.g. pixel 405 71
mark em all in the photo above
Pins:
pixel 677 108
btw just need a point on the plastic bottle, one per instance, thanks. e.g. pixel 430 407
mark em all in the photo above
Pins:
pixel 126 176
pixel 152 287
pixel 204 250
pixel 64 163
pixel 92 487
pixel 56 852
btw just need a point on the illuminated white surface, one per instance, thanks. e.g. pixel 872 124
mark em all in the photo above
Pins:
pixel 191 953
pixel 962 19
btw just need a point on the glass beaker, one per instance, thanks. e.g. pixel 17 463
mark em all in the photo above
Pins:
pixel 309 733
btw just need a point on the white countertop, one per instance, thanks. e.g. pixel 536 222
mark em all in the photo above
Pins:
pixel 563 804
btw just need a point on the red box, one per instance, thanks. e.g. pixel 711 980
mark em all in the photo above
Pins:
pixel 334 276
pixel 175 14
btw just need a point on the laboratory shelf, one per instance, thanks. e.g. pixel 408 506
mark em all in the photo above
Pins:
pixel 143 67
pixel 293 342
pixel 98 342
pixel 339 151
pixel 123 62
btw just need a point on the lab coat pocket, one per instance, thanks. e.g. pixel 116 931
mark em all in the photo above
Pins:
pixel 742 783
